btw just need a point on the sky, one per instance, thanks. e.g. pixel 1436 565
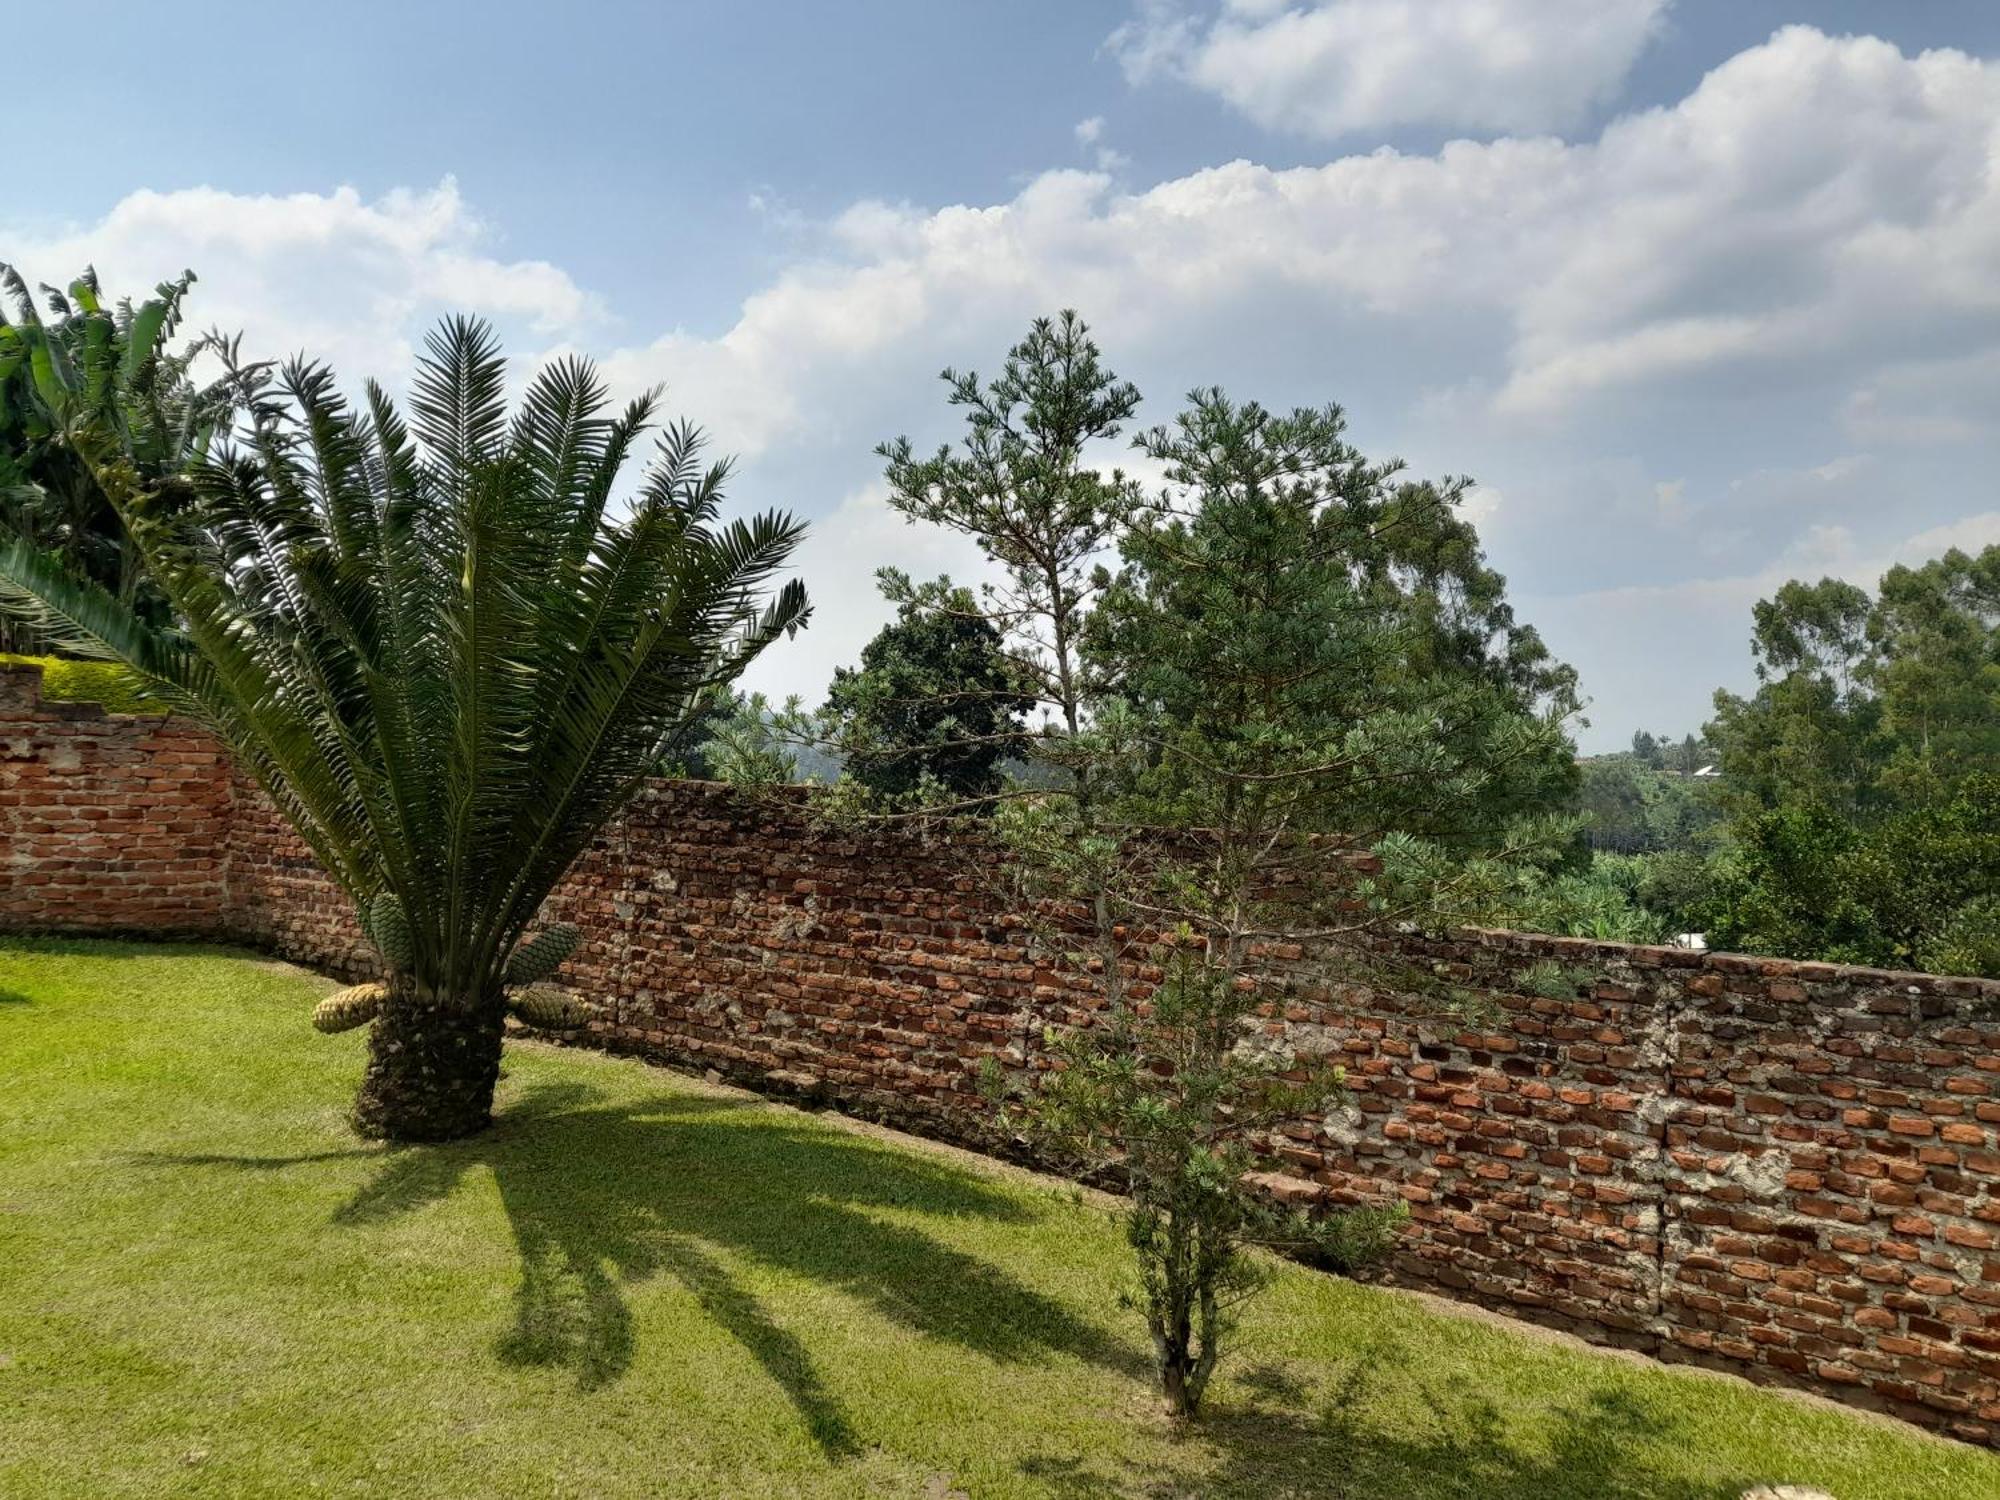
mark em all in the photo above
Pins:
pixel 1704 294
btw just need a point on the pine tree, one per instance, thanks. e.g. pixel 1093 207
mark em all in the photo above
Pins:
pixel 1283 725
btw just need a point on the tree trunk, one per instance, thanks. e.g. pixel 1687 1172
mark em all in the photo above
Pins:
pixel 431 1069
pixel 1174 1386
pixel 1173 1358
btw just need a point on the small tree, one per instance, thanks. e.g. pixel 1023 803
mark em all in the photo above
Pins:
pixel 1023 489
pixel 1164 1096
pixel 440 655
pixel 1302 710
pixel 1307 769
pixel 934 702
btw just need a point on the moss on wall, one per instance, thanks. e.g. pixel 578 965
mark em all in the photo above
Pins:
pixel 106 682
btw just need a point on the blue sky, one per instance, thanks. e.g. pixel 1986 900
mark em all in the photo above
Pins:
pixel 1705 293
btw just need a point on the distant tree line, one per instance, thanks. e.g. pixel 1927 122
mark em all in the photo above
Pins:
pixel 1855 815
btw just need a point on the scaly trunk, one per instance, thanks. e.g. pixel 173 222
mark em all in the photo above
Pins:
pixel 431 1068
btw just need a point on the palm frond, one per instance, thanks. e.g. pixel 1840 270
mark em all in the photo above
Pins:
pixel 427 640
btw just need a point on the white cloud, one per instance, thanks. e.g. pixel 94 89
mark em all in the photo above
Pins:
pixel 1972 534
pixel 839 560
pixel 1814 200
pixel 1668 353
pixel 1090 136
pixel 1334 67
pixel 1813 213
pixel 350 280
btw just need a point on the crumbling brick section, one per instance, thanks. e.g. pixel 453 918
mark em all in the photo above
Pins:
pixel 1785 1169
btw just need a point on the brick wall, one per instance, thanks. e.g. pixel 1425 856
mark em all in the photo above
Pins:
pixel 107 821
pixel 279 897
pixel 1786 1169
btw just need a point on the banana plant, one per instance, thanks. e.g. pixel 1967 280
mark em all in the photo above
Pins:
pixel 114 366
pixel 446 647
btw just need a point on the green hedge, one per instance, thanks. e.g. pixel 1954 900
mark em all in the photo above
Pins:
pixel 105 682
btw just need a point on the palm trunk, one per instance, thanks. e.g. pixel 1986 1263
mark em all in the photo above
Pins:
pixel 431 1068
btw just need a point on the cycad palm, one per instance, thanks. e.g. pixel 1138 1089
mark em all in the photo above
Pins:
pixel 439 655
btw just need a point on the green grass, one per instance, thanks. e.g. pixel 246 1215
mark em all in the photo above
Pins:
pixel 634 1285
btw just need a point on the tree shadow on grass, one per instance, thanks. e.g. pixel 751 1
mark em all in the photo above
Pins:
pixel 602 1196
pixel 1455 1445
pixel 14 997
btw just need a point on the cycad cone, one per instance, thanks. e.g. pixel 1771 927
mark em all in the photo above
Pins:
pixel 391 931
pixel 547 1008
pixel 539 957
pixel 346 1009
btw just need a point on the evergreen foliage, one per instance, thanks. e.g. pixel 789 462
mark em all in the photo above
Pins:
pixel 109 368
pixel 1289 670
pixel 1300 659
pixel 435 645
pixel 934 703
pixel 1023 488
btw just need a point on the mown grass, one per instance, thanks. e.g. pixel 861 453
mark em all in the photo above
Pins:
pixel 634 1285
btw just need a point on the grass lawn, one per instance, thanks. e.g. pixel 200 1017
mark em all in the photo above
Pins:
pixel 636 1285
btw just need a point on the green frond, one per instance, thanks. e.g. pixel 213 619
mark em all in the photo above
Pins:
pixel 430 641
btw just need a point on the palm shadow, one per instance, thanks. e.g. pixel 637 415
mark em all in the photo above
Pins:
pixel 1283 1441
pixel 600 1197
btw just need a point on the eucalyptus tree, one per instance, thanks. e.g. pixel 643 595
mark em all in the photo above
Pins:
pixel 447 649
pixel 1860 777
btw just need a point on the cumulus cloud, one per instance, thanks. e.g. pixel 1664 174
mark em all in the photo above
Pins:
pixel 1335 67
pixel 348 279
pixel 1663 349
pixel 1818 211
pixel 1090 136
pixel 1971 534
pixel 1668 352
